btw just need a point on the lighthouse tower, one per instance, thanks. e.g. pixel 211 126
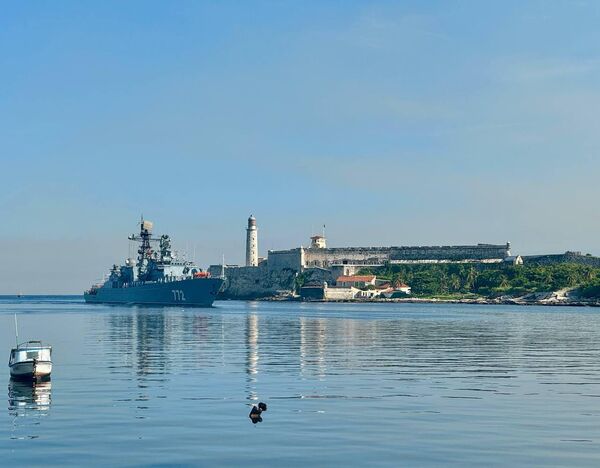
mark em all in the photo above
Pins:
pixel 251 242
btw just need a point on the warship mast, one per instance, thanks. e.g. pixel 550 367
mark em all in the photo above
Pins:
pixel 145 249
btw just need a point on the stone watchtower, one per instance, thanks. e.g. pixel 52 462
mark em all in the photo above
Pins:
pixel 318 242
pixel 251 242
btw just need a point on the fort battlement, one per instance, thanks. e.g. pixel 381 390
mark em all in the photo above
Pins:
pixel 300 258
pixel 567 257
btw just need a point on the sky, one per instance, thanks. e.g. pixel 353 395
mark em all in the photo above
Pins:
pixel 392 123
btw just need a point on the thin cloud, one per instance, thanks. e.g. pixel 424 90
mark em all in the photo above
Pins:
pixel 527 71
pixel 377 29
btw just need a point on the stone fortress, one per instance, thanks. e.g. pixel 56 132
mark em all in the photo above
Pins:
pixel 276 275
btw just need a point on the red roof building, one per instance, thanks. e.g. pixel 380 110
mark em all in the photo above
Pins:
pixel 358 281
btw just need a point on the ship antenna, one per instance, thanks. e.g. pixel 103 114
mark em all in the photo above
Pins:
pixel 16 331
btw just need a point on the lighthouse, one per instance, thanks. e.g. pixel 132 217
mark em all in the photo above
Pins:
pixel 251 242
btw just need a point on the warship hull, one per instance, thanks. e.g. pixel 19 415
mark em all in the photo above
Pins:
pixel 186 292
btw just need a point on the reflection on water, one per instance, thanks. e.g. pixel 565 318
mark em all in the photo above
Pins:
pixel 156 343
pixel 28 402
pixel 27 397
pixel 252 352
pixel 313 334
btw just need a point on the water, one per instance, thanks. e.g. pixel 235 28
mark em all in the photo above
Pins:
pixel 345 384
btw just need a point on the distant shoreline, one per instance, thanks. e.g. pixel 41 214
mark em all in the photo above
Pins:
pixel 409 300
pixel 417 300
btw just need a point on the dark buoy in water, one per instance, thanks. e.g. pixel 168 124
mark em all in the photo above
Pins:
pixel 256 411
pixel 255 415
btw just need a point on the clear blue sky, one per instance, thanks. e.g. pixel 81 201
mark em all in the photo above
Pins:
pixel 391 122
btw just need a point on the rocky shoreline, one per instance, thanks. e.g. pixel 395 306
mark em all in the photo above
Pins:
pixel 541 299
pixel 485 301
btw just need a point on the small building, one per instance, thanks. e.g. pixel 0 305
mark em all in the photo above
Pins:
pixel 514 260
pixel 356 281
pixel 403 288
pixel 398 290
pixel 351 268
pixel 318 242
pixel 368 293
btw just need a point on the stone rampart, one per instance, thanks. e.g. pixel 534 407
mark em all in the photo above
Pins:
pixel 457 253
pixel 286 259
pixel 318 276
pixel 324 258
pixel 256 282
pixel 567 257
pixel 340 294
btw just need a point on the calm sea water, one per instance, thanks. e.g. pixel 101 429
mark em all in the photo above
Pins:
pixel 345 384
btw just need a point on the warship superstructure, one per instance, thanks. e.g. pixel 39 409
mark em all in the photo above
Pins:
pixel 157 277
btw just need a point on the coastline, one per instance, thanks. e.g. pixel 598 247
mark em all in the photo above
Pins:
pixel 433 300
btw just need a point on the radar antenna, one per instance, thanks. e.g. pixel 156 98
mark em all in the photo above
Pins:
pixel 145 250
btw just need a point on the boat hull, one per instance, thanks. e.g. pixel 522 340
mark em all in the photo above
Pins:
pixel 31 370
pixel 189 292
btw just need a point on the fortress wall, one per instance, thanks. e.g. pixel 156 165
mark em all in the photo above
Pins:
pixel 318 276
pixel 466 252
pixel 562 258
pixel 254 282
pixel 260 281
pixel 285 259
pixel 325 257
pixel 340 294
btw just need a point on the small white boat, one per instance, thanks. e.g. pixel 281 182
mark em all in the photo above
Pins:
pixel 30 360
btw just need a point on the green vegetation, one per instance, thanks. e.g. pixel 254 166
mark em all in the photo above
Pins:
pixel 485 280
pixel 299 281
pixel 591 289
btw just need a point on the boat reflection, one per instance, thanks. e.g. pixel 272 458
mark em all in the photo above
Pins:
pixel 26 398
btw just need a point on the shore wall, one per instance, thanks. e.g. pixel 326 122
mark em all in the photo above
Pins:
pixel 256 282
pixel 292 259
pixel 259 282
pixel 567 257
pixel 325 258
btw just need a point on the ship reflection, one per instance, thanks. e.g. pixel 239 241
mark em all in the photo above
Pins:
pixel 27 398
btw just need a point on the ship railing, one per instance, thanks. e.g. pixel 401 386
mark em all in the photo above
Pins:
pixel 32 344
pixel 164 279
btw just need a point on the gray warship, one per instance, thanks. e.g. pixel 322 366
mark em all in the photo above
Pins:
pixel 158 277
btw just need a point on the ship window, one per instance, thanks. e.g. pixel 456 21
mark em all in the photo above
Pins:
pixel 33 354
